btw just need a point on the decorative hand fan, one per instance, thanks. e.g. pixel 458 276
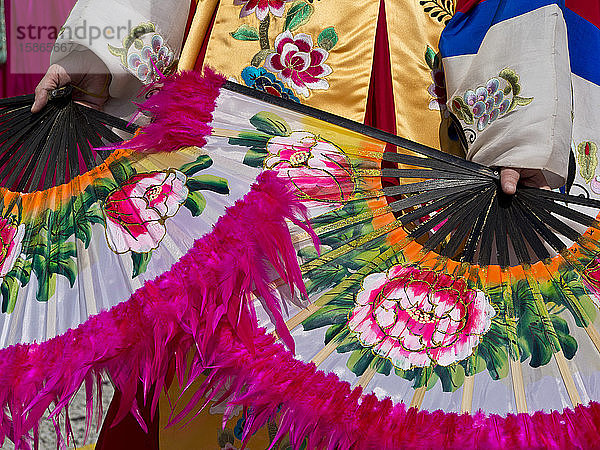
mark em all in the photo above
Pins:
pixel 50 148
pixel 431 290
pixel 441 279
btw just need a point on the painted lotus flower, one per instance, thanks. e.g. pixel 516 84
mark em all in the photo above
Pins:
pixel 261 79
pixel 419 318
pixel 136 213
pixel 298 64
pixel 261 7
pixel 11 237
pixel 318 168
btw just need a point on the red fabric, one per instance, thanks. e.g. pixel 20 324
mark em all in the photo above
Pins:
pixel 380 111
pixel 588 9
pixel 128 434
pixel 464 6
pixel 190 19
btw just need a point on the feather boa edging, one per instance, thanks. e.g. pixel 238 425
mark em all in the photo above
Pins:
pixel 203 305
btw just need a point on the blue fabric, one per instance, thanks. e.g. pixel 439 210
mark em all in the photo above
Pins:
pixel 465 32
pixel 584 46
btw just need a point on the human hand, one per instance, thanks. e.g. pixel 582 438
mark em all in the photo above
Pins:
pixel 90 89
pixel 509 178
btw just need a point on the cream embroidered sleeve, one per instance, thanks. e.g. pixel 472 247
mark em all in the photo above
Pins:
pixel 131 38
pixel 513 96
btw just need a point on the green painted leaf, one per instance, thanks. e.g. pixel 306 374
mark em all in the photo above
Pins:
pixel 201 163
pixel 21 271
pixel 103 188
pixel 421 376
pixel 452 377
pixel 14 208
pixel 495 354
pixel 140 262
pixel 360 360
pixel 298 14
pixel 83 232
pixel 64 250
pixel 67 268
pixel 349 344
pixel 46 281
pixel 327 38
pixel 251 139
pixel 327 315
pixel 270 123
pixel 10 292
pixel 255 157
pixel 245 33
pixel 382 366
pixel 308 253
pixel 337 331
pixel 195 203
pixel 208 183
pixel 121 171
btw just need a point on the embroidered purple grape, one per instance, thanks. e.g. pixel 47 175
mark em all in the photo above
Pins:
pixel 492 86
pixel 481 94
pixel 494 114
pixel 478 109
pixel 504 106
pixel 483 122
pixel 485 104
pixel 489 104
pixel 470 97
pixel 498 97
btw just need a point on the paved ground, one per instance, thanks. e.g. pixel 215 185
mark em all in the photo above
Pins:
pixel 77 415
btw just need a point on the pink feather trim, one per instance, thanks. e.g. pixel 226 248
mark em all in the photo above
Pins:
pixel 181 111
pixel 204 304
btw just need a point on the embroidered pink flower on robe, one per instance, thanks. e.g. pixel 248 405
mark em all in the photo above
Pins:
pixel 11 238
pixel 317 168
pixel 261 7
pixel 419 318
pixel 136 213
pixel 437 90
pixel 298 64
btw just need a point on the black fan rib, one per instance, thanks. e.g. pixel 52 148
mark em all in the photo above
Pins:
pixel 38 151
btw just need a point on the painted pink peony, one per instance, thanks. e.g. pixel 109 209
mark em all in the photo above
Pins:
pixel 318 168
pixel 419 318
pixel 298 64
pixel 11 238
pixel 136 213
pixel 261 7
